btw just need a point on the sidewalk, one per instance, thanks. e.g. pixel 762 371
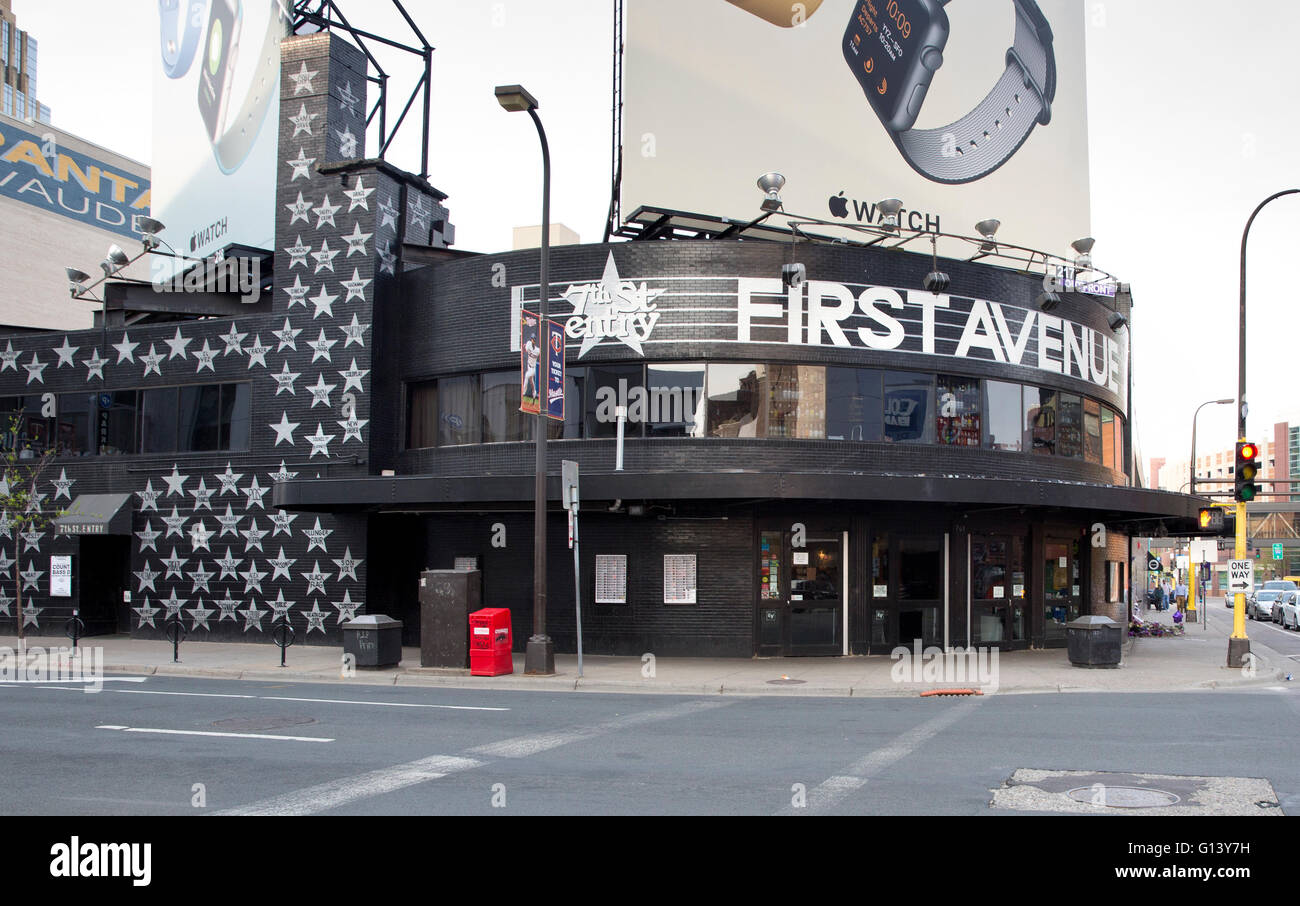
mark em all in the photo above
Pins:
pixel 1193 662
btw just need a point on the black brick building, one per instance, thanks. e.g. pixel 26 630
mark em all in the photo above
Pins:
pixel 836 468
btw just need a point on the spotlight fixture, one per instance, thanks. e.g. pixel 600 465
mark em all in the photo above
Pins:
pixel 936 282
pixel 988 229
pixel 771 184
pixel 75 280
pixel 1083 252
pixel 793 276
pixel 149 229
pixel 1117 320
pixel 1047 300
pixel 889 209
pixel 114 262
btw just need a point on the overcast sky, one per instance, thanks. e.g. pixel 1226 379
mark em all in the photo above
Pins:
pixel 1191 116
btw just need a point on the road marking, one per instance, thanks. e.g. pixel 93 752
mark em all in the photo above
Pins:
pixel 336 793
pixel 524 746
pixel 187 694
pixel 345 790
pixel 213 733
pixel 343 701
pixel 856 775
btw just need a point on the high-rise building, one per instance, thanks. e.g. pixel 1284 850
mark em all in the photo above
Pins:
pixel 18 53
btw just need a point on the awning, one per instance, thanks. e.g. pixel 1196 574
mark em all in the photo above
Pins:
pixel 96 514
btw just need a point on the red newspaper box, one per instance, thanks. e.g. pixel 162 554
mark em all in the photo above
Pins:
pixel 489 642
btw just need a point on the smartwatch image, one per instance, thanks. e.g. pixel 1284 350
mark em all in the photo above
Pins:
pixel 180 39
pixel 785 13
pixel 233 136
pixel 895 47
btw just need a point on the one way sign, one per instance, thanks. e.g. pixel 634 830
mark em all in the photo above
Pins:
pixel 1241 576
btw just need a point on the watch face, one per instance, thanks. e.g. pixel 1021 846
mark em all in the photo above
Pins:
pixel 217 57
pixel 894 48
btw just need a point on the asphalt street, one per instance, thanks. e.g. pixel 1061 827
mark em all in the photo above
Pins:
pixel 191 746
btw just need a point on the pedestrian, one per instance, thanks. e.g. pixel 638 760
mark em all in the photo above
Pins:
pixel 1181 596
pixel 1164 596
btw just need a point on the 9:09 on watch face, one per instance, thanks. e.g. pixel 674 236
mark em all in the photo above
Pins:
pixel 894 47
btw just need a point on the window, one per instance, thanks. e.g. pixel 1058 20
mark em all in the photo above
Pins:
pixel 190 419
pixel 72 431
pixel 853 404
pixel 158 419
pixel 736 397
pixel 9 100
pixel 958 422
pixel 1069 426
pixel 1092 431
pixel 458 411
pixel 676 400
pixel 422 415
pixel 199 419
pixel 909 404
pixel 611 386
pixel 796 402
pixel 1004 413
pixel 117 421
pixel 4 43
pixel 502 420
pixel 1040 420
pixel 1108 426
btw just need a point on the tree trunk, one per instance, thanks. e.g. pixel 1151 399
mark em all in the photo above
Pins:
pixel 18 588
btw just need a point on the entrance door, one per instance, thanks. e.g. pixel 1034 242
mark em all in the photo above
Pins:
pixel 103 572
pixel 999 606
pixel 907 590
pixel 801 603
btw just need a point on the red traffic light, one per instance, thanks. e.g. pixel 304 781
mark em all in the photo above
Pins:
pixel 1247 451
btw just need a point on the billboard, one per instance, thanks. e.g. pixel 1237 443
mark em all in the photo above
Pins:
pixel 965 111
pixel 216 106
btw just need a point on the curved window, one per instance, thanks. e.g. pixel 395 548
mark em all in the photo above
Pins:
pixel 802 402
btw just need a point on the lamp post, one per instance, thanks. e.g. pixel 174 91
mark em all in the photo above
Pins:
pixel 539 655
pixel 1191 463
pixel 1238 644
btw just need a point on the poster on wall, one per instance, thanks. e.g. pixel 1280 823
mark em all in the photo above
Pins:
pixel 216 91
pixel 962 110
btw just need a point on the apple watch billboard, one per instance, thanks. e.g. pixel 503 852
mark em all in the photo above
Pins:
pixel 964 109
pixel 216 104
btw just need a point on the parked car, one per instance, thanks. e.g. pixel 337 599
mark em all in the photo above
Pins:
pixel 1260 607
pixel 1280 585
pixel 1290 609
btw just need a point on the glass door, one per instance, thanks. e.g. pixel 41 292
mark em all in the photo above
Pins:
pixel 1062 588
pixel 816 597
pixel 998 591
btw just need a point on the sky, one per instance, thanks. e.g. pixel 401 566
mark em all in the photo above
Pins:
pixel 1191 124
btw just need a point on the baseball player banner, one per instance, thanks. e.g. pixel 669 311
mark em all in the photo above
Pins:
pixel 530 354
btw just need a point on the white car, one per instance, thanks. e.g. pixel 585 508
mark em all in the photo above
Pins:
pixel 1290 607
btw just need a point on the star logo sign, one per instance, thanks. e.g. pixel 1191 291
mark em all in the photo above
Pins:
pixel 302 80
pixel 614 308
pixel 302 122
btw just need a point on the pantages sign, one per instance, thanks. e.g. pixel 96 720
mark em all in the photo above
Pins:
pixel 647 312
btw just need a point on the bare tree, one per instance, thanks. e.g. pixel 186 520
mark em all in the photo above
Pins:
pixel 22 504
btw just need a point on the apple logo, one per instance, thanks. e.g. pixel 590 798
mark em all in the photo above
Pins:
pixel 839 205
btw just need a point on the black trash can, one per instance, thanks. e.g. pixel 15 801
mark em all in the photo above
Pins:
pixel 447 598
pixel 1094 641
pixel 374 640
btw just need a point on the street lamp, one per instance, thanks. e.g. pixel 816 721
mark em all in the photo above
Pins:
pixel 1191 465
pixel 539 655
pixel 1238 644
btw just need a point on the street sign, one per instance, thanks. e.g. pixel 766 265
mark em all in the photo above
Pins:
pixel 568 482
pixel 1152 563
pixel 1277 551
pixel 1241 576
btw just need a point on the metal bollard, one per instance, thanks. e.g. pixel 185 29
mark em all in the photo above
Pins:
pixel 74 628
pixel 175 630
pixel 283 635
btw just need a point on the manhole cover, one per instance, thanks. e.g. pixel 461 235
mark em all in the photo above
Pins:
pixel 1123 797
pixel 261 723
pixel 785 681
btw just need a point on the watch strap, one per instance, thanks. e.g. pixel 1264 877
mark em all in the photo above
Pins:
pixel 180 44
pixel 987 137
pixel 233 147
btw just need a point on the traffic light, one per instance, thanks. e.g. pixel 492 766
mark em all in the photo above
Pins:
pixel 1210 519
pixel 1246 471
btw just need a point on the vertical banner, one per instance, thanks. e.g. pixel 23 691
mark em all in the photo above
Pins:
pixel 530 353
pixel 555 371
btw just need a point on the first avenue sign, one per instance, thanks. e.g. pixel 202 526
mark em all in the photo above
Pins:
pixel 650 312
